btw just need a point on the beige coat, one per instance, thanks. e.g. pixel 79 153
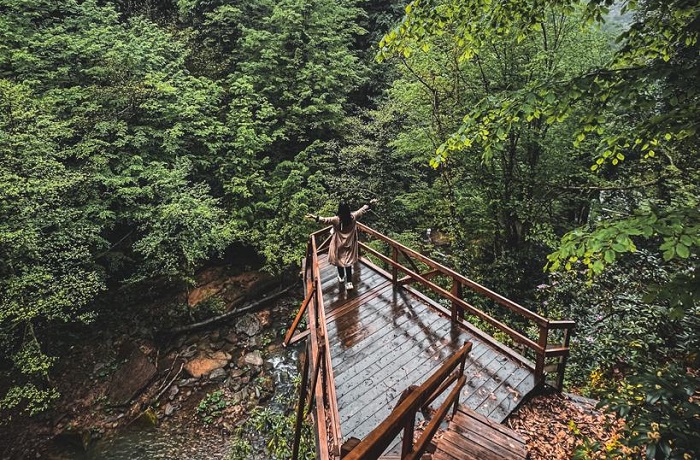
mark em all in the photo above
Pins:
pixel 342 251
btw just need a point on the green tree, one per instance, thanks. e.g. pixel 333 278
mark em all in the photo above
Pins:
pixel 105 141
pixel 476 107
pixel 635 119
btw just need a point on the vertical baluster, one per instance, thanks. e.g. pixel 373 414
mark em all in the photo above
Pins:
pixel 302 402
pixel 562 360
pixel 457 311
pixel 539 362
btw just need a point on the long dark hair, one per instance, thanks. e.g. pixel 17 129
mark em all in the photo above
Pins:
pixel 344 215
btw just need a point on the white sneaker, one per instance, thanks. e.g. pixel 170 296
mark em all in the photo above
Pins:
pixel 349 286
pixel 341 279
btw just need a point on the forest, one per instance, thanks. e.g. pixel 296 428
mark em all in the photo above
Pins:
pixel 551 144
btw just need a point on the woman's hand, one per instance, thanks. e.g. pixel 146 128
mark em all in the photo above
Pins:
pixel 311 216
pixel 373 201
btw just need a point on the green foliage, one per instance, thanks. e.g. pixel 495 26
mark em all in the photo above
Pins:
pixel 212 406
pixel 663 411
pixel 103 134
pixel 631 120
pixel 273 430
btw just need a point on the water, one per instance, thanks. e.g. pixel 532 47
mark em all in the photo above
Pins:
pixel 177 444
pixel 174 441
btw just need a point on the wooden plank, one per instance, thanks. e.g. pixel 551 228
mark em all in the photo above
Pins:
pixel 374 405
pixel 375 313
pixel 467 414
pixel 475 363
pixel 458 452
pixel 504 410
pixel 380 438
pixel 505 393
pixel 348 305
pixel 412 326
pixel 387 339
pixel 487 437
pixel 470 328
pixel 367 420
pixel 385 369
pixel 442 455
pixel 452 274
pixel 471 444
pixel 337 297
pixel 374 305
pixel 487 380
pixel 347 332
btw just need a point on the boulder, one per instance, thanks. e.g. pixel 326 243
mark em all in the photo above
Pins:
pixel 248 324
pixel 254 358
pixel 204 363
pixel 218 374
pixel 202 293
pixel 130 378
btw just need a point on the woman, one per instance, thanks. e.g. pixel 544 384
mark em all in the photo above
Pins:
pixel 342 251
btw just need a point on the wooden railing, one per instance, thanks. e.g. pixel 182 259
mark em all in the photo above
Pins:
pixel 403 417
pixel 322 388
pixel 541 348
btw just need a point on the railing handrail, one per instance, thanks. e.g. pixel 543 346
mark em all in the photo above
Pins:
pixel 513 306
pixel 403 416
pixel 320 326
pixel 517 336
pixel 540 347
pixel 330 377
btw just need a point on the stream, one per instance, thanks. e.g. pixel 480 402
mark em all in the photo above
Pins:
pixel 184 433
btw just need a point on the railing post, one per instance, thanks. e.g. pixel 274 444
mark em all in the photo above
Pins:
pixel 562 361
pixel 539 362
pixel 457 311
pixel 394 270
pixel 302 403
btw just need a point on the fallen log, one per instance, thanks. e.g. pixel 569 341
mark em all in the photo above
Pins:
pixel 231 314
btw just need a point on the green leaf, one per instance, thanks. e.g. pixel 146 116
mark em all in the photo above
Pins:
pixel 610 256
pixel 682 251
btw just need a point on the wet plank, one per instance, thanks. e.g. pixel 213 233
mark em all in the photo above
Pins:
pixel 383 339
pixel 472 436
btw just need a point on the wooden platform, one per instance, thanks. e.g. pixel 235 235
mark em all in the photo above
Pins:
pixel 384 338
pixel 471 436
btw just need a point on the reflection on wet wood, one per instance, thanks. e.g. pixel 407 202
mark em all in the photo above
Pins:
pixel 383 339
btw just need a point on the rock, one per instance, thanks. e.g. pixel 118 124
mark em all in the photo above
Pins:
pixel 264 317
pixel 202 293
pixel 231 337
pixel 236 373
pixel 174 390
pixel 210 274
pixel 203 364
pixel 147 418
pixel 130 378
pixel 75 438
pixel 254 358
pixel 169 409
pixel 248 324
pixel 218 374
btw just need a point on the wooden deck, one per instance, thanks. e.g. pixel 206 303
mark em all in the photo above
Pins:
pixel 385 353
pixel 384 338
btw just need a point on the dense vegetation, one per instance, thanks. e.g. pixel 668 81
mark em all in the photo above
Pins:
pixel 141 139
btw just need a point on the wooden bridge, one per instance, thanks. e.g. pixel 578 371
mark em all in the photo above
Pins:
pixel 379 357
